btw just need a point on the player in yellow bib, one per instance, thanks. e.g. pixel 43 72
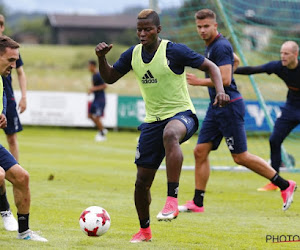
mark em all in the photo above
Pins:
pixel 159 66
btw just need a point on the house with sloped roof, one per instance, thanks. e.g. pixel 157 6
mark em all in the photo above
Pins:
pixel 89 29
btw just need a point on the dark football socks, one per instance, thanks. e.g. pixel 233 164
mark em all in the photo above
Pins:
pixel 23 221
pixel 173 189
pixel 198 198
pixel 280 182
pixel 4 205
pixel 145 223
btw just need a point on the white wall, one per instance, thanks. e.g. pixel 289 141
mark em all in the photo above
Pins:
pixel 64 109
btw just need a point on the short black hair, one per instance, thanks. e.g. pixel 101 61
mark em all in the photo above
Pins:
pixel 151 14
pixel 93 62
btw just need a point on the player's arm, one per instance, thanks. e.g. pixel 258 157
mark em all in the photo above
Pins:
pixel 23 87
pixel 216 79
pixel 226 74
pixel 236 61
pixel 3 121
pixel 248 70
pixel 107 72
pixel 98 87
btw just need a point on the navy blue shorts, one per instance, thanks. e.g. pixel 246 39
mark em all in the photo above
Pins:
pixel 225 122
pixel 97 107
pixel 6 159
pixel 286 122
pixel 13 121
pixel 150 149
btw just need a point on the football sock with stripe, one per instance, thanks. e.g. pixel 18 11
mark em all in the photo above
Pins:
pixel 280 182
pixel 199 197
pixel 23 221
pixel 145 223
pixel 173 189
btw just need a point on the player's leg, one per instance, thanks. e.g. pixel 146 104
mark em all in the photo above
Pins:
pixel 95 113
pixel 13 145
pixel 9 221
pixel 19 178
pixel 142 200
pixel 174 132
pixel 261 167
pixel 283 126
pixel 149 155
pixel 179 129
pixel 13 126
pixel 209 138
pixel 202 172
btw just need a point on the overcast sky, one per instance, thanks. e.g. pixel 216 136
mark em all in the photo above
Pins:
pixel 81 6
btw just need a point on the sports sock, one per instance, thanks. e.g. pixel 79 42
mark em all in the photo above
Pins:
pixel 23 221
pixel 280 182
pixel 4 205
pixel 145 223
pixel 198 198
pixel 173 189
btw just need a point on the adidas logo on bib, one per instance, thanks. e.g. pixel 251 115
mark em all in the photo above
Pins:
pixel 148 78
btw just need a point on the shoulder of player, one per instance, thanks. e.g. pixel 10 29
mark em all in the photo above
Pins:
pixel 177 48
pixel 223 42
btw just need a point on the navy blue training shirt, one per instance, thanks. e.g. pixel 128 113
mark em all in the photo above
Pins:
pixel 97 81
pixel 178 55
pixel 221 53
pixel 291 77
pixel 7 82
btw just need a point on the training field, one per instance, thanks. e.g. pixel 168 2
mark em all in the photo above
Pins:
pixel 87 173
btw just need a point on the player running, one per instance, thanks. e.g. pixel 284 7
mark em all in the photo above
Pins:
pixel 159 66
pixel 227 122
pixel 288 69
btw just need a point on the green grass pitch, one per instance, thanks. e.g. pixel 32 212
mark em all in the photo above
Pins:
pixel 87 173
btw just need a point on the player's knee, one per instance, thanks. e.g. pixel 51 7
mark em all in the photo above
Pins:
pixel 240 159
pixel 170 135
pixel 199 153
pixel 274 142
pixel 22 179
pixel 141 184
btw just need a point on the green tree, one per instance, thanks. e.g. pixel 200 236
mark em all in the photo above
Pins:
pixel 35 27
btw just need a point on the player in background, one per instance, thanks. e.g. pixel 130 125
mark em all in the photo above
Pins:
pixel 159 66
pixel 13 126
pixel 9 167
pixel 96 109
pixel 225 122
pixel 288 69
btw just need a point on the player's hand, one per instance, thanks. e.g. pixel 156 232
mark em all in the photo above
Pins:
pixel 22 105
pixel 90 91
pixel 221 99
pixel 193 79
pixel 3 121
pixel 102 49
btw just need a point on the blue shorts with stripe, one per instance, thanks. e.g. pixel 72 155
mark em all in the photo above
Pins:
pixel 6 159
pixel 150 149
pixel 227 122
pixel 13 121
